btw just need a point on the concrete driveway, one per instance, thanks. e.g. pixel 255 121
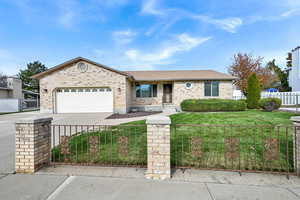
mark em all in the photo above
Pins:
pixel 7 131
pixel 7 142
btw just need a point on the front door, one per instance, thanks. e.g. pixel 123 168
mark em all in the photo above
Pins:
pixel 167 93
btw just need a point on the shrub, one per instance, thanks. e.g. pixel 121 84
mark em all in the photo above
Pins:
pixel 253 92
pixel 212 105
pixel 270 104
pixel 244 101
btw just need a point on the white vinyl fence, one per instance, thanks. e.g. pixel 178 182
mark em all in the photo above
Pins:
pixel 287 98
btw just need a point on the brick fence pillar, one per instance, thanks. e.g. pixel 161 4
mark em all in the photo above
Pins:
pixel 296 121
pixel 158 144
pixel 33 144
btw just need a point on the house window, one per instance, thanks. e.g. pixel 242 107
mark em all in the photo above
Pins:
pixel 146 90
pixel 211 88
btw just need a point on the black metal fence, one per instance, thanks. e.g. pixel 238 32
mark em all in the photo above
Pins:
pixel 99 145
pixel 220 147
pixel 236 148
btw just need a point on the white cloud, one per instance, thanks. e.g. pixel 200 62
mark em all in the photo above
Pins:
pixel 68 13
pixel 292 12
pixel 150 7
pixel 123 36
pixel 169 16
pixel 181 43
pixel 228 24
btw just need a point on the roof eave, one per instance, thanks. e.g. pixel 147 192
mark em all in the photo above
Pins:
pixel 189 79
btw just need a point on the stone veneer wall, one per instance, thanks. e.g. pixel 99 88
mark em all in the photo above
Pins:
pixel 70 76
pixel 33 144
pixel 180 92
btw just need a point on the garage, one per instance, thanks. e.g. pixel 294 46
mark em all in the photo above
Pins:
pixel 84 100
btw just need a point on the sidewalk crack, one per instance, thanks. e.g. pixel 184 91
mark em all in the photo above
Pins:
pixel 291 191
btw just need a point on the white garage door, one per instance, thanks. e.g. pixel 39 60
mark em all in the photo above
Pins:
pixel 84 100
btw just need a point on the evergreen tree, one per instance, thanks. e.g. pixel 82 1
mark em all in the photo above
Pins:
pixel 253 91
pixel 25 75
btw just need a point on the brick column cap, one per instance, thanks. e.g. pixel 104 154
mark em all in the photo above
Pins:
pixel 296 119
pixel 32 120
pixel 159 119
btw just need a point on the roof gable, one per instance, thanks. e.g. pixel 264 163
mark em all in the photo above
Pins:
pixel 75 60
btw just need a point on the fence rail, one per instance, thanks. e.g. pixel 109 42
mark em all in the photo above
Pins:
pixel 257 148
pixel 234 148
pixel 287 98
pixel 99 145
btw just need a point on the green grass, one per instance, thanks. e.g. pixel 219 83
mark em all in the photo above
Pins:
pixel 109 151
pixel 213 130
pixel 251 117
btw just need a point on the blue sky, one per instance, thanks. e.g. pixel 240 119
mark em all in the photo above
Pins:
pixel 146 34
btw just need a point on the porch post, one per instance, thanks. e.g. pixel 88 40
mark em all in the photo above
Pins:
pixel 158 147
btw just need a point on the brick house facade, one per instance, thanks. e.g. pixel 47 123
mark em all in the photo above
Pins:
pixel 141 90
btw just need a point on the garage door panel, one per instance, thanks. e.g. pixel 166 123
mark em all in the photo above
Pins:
pixel 84 102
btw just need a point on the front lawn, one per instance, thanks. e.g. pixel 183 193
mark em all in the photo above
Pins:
pixel 250 117
pixel 109 145
pixel 249 140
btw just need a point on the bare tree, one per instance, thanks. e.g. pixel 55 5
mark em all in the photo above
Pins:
pixel 244 65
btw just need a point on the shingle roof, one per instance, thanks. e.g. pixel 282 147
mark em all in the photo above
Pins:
pixel 179 75
pixel 148 75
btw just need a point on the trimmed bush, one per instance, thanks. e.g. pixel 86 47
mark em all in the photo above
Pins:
pixel 212 105
pixel 270 104
pixel 253 92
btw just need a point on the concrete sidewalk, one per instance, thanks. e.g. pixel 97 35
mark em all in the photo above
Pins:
pixel 126 183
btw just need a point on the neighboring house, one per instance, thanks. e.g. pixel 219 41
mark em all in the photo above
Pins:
pixel 81 85
pixel 11 88
pixel 10 94
pixel 294 76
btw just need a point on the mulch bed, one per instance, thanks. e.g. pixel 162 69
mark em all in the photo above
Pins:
pixel 132 114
